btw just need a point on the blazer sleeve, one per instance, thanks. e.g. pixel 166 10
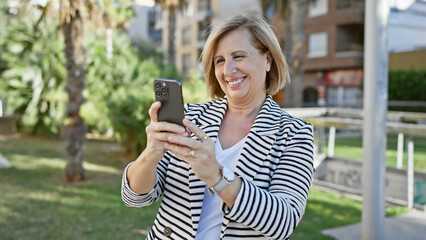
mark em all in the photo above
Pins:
pixel 132 199
pixel 277 211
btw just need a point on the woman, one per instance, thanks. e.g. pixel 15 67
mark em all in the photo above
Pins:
pixel 245 169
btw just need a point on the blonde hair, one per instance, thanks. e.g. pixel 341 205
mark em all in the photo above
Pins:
pixel 263 39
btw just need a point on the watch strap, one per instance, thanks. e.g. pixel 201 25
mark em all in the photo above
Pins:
pixel 218 187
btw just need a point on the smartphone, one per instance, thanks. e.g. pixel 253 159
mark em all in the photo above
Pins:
pixel 169 93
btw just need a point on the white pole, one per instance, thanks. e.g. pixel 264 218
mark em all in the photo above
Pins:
pixel 109 46
pixel 1 108
pixel 374 128
pixel 400 151
pixel 331 140
pixel 410 173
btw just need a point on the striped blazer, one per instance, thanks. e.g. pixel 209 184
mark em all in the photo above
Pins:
pixel 275 165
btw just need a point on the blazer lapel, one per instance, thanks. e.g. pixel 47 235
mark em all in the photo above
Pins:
pixel 209 121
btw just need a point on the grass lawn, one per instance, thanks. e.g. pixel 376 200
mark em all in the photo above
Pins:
pixel 351 148
pixel 35 203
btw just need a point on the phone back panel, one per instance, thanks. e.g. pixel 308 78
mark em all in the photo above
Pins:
pixel 169 93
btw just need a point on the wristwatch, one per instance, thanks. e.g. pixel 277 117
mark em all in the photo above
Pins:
pixel 228 177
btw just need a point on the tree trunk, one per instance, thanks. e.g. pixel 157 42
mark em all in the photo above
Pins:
pixel 75 131
pixel 295 40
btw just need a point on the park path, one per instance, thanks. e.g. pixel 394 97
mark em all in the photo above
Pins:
pixel 410 226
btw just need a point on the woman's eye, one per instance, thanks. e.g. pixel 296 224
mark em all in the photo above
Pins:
pixel 238 57
pixel 219 61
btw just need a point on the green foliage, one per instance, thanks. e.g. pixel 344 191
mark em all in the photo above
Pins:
pixel 120 92
pixel 118 89
pixel 34 75
pixel 194 89
pixel 118 12
pixel 3 22
pixel 407 85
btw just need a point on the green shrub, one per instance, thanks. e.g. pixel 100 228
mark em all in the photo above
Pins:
pixel 33 76
pixel 407 85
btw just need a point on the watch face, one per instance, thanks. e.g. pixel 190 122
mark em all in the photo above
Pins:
pixel 228 174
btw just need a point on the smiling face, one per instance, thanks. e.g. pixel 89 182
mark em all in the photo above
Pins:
pixel 240 68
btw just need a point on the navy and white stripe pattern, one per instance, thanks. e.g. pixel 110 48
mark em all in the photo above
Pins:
pixel 275 165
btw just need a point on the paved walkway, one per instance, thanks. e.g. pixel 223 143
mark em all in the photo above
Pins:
pixel 409 226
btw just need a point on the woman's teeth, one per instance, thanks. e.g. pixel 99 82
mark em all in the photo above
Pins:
pixel 236 82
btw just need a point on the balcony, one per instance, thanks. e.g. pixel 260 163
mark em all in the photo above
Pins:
pixel 350 5
pixel 349 40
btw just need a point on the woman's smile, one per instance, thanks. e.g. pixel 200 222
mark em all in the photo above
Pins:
pixel 236 82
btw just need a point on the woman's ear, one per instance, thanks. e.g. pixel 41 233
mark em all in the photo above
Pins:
pixel 268 61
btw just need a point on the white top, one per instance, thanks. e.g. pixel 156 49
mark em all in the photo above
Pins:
pixel 211 214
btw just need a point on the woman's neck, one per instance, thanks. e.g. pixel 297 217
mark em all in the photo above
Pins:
pixel 245 109
pixel 238 120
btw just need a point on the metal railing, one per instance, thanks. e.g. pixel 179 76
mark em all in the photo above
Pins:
pixel 402 123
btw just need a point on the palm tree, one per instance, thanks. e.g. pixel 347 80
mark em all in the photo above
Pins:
pixel 72 26
pixel 73 14
pixel 171 6
pixel 293 14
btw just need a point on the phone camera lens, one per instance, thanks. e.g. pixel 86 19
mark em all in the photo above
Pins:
pixel 164 89
pixel 157 85
pixel 158 93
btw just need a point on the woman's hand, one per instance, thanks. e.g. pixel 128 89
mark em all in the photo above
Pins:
pixel 199 154
pixel 158 133
pixel 142 173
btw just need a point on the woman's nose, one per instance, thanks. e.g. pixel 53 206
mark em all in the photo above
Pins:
pixel 230 68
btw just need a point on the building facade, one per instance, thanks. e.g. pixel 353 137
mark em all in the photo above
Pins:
pixel 335 46
pixel 334 53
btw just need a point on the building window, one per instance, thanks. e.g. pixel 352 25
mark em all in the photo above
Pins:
pixel 186 64
pixel 186 36
pixel 318 8
pixel 317 45
pixel 349 4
